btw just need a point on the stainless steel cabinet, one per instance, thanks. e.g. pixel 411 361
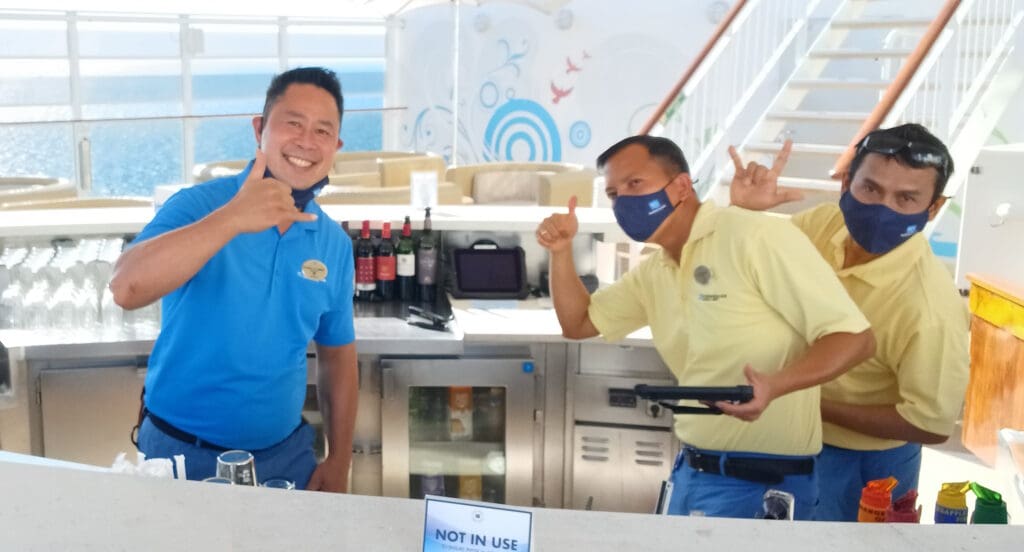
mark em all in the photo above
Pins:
pixel 459 427
pixel 88 413
pixel 618 469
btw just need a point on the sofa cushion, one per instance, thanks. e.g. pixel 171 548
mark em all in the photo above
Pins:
pixel 344 166
pixel 506 187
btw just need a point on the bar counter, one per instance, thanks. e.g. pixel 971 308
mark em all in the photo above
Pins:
pixel 62 509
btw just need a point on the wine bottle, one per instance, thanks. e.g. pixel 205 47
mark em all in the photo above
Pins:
pixel 426 262
pixel 405 255
pixel 386 265
pixel 366 273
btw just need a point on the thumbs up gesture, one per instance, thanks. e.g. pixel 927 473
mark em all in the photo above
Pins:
pixel 263 202
pixel 556 232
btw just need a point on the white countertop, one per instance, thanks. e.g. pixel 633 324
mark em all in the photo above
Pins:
pixel 531 321
pixel 60 509
pixel 476 321
pixel 129 220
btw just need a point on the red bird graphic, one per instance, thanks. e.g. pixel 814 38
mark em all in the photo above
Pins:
pixel 559 92
pixel 570 67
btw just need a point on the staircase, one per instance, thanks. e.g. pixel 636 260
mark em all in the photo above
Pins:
pixel 855 65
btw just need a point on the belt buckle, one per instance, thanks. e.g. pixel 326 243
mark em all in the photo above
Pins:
pixel 695 458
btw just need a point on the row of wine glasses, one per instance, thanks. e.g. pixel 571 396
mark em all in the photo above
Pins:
pixel 62 285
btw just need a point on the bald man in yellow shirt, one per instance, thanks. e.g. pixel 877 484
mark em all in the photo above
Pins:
pixel 726 306
pixel 877 415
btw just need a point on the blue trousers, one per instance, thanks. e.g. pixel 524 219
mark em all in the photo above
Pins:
pixel 293 458
pixel 844 472
pixel 716 495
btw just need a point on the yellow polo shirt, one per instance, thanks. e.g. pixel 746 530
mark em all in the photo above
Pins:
pixel 921 326
pixel 748 289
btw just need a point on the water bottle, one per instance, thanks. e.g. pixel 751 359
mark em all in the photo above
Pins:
pixel 951 503
pixel 904 509
pixel 875 499
pixel 989 507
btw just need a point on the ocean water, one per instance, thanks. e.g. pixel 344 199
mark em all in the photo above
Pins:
pixel 131 157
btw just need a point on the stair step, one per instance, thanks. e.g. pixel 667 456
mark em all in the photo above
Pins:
pixel 839 83
pixel 898 53
pixel 821 184
pixel 844 116
pixel 881 23
pixel 773 147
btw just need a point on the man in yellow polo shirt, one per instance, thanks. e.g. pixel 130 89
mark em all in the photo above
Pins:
pixel 726 306
pixel 878 414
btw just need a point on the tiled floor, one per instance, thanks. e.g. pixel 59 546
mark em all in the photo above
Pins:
pixel 950 461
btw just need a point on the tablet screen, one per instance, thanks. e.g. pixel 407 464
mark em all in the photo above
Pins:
pixel 489 270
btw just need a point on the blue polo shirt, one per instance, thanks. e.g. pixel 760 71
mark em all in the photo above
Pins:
pixel 229 365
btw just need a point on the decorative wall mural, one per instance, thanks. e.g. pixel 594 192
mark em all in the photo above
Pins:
pixel 432 130
pixel 522 130
pixel 579 134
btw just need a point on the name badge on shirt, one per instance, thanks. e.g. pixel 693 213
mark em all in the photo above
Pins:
pixel 314 270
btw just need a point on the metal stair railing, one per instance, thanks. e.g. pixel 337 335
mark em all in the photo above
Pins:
pixel 944 79
pixel 744 51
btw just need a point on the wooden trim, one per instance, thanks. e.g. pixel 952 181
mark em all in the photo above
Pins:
pixel 1011 291
pixel 723 26
pixel 897 86
pixel 999 303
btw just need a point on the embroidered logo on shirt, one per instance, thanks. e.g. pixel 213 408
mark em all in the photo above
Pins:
pixel 314 270
pixel 702 275
pixel 711 297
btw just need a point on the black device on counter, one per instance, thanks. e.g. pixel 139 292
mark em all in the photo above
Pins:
pixel 485 271
pixel 430 319
pixel 663 394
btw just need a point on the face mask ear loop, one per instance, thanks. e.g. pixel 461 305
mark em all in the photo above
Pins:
pixel 681 200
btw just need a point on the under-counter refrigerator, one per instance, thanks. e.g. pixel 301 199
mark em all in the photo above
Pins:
pixel 462 428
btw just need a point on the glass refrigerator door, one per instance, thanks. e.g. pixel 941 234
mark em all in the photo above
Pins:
pixel 464 434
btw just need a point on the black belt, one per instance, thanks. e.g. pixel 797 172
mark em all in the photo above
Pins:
pixel 182 435
pixel 770 471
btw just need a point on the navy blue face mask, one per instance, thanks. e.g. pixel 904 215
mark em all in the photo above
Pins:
pixel 302 197
pixel 639 216
pixel 877 228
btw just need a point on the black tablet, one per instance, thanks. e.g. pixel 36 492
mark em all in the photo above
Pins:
pixel 492 273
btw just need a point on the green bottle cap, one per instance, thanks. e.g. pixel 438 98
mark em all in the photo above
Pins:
pixel 989 506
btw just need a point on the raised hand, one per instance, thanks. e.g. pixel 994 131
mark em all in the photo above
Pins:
pixel 756 186
pixel 263 202
pixel 556 232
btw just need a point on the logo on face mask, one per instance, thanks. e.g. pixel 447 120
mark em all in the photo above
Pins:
pixel 877 228
pixel 654 206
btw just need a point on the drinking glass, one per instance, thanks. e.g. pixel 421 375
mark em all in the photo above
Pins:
pixel 279 483
pixel 238 466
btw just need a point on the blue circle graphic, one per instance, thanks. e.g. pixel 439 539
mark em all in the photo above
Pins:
pixel 489 94
pixel 579 134
pixel 518 122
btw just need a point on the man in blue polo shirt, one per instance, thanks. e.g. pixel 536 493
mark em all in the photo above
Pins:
pixel 250 270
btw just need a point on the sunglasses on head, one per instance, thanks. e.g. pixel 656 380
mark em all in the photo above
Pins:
pixel 917 154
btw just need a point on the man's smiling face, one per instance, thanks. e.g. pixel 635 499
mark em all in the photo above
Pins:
pixel 300 135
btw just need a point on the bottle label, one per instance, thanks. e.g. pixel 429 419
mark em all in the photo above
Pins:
pixel 366 272
pixel 870 514
pixel 385 268
pixel 427 264
pixel 944 514
pixel 406 265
